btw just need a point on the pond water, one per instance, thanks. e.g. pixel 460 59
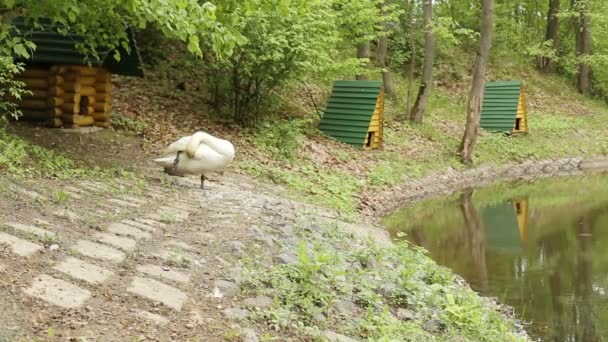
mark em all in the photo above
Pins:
pixel 540 247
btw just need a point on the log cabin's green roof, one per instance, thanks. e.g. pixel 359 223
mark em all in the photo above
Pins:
pixel 499 108
pixel 53 48
pixel 349 111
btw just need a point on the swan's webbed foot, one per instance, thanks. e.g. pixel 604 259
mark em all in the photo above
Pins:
pixel 203 187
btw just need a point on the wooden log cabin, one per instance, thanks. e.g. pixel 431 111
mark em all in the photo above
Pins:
pixel 67 89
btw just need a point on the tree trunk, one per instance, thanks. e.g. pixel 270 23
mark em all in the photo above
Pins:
pixel 412 65
pixel 387 76
pixel 424 92
pixel 469 138
pixel 582 32
pixel 476 237
pixel 552 35
pixel 363 51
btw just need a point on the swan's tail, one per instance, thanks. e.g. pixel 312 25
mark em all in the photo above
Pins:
pixel 165 161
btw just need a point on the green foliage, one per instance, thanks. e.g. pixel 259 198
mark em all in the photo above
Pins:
pixel 20 158
pixel 281 139
pixel 281 47
pixel 128 124
pixel 9 89
pixel 330 269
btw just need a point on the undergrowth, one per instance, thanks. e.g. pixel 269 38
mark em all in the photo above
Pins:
pixel 561 123
pixel 334 266
pixel 19 158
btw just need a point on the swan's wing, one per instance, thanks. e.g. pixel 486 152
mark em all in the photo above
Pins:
pixel 179 145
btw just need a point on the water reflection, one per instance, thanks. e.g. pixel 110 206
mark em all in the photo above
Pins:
pixel 543 251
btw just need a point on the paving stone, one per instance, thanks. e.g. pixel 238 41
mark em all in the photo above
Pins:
pixel 236 314
pixel 99 251
pixel 139 225
pixel 126 230
pixel 158 292
pixel 92 187
pixel 123 203
pixel 181 245
pixel 19 246
pixel 73 194
pixel 82 270
pixel 227 288
pixel 57 292
pixel 158 319
pixel 39 232
pixel 331 336
pixel 29 193
pixel 258 302
pixel 163 273
pixel 75 190
pixel 133 200
pixel 67 214
pixel 124 243
pixel 152 223
pixel 175 256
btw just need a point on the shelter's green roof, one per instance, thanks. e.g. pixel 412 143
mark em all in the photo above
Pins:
pixel 499 109
pixel 502 229
pixel 54 48
pixel 349 111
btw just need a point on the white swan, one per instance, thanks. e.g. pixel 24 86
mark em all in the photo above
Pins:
pixel 198 154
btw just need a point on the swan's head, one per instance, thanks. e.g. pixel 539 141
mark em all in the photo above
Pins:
pixel 196 140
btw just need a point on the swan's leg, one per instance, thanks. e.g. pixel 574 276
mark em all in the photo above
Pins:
pixel 203 178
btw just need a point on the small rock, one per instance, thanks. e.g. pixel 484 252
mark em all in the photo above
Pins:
pixel 54 247
pixel 236 247
pixel 388 290
pixel 67 214
pixel 221 260
pixel 344 306
pixel 335 337
pixel 265 239
pixel 319 317
pixel 249 335
pixel 227 288
pixel 236 274
pixel 236 314
pixel 287 230
pixel 258 302
pixel 405 314
pixel 285 259
pixel 315 227
pixel 433 325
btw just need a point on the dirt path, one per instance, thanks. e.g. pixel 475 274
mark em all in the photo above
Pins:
pixel 122 261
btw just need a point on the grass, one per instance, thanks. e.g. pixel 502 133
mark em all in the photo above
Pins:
pixel 562 123
pixel 20 158
pixel 333 265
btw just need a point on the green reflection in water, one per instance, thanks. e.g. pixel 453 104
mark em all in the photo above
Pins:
pixel 541 247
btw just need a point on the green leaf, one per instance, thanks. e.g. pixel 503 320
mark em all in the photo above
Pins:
pixel 21 51
pixel 193 45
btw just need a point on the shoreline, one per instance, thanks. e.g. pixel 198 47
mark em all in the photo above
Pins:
pixel 445 183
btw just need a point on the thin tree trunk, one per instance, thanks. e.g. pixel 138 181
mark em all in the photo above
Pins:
pixel 363 51
pixel 552 35
pixel 412 65
pixel 387 76
pixel 469 139
pixel 477 238
pixel 582 32
pixel 424 92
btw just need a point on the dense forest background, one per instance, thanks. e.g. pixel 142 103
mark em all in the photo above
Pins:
pixel 255 61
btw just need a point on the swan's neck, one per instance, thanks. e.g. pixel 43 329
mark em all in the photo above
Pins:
pixel 194 143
